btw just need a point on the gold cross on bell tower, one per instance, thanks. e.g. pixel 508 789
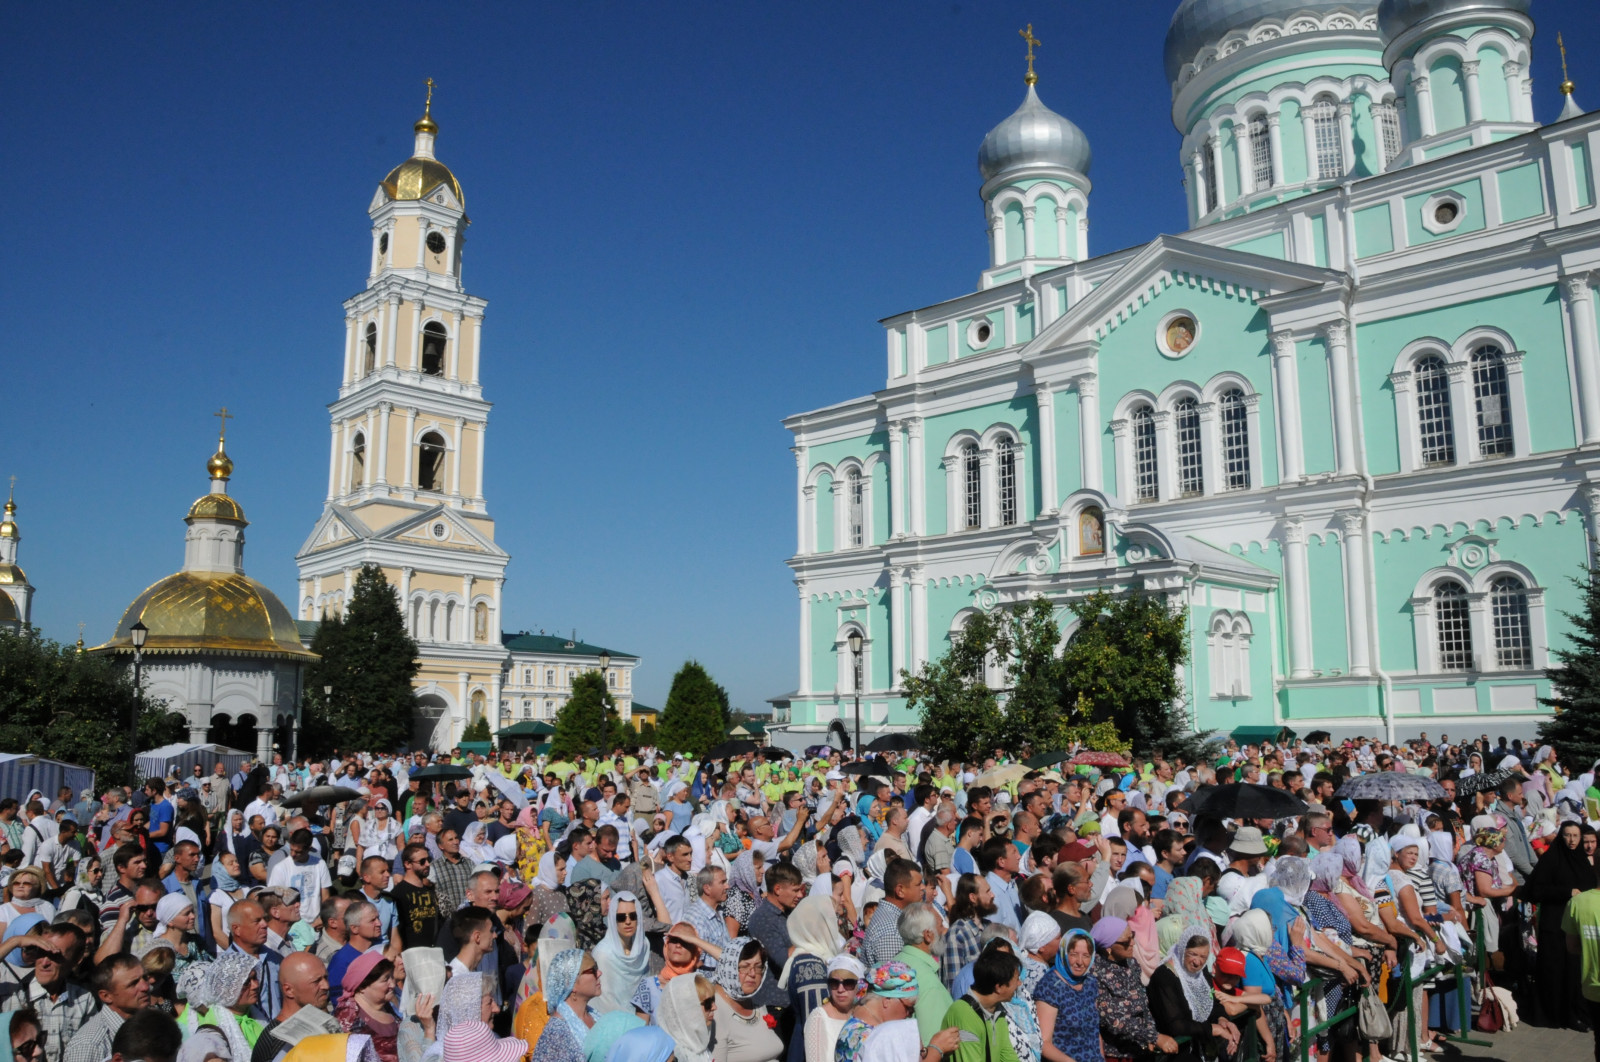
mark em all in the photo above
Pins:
pixel 427 105
pixel 224 416
pixel 1027 35
pixel 1566 82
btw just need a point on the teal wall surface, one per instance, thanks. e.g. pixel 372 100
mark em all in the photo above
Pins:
pixel 1319 240
pixel 880 503
pixel 937 432
pixel 1269 246
pixel 937 342
pixel 1316 405
pixel 1069 451
pixel 1373 232
pixel 1329 649
pixel 1521 192
pixel 1493 93
pixel 1013 232
pixel 1292 135
pixel 1449 91
pixel 824 508
pixel 1044 228
pixel 1581 174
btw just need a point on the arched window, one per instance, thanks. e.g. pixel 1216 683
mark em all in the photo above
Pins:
pixel 1208 167
pixel 1452 626
pixel 1388 121
pixel 1489 396
pixel 478 701
pixel 972 475
pixel 1235 441
pixel 433 621
pixel 1261 152
pixel 1508 604
pixel 855 490
pixel 1325 134
pixel 1007 460
pixel 1191 472
pixel 1146 473
pixel 371 358
pixel 430 462
pixel 1435 427
pixel 1229 645
pixel 433 341
pixel 358 461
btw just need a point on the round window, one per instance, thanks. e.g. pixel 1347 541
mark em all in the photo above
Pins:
pixel 440 530
pixel 436 242
pixel 979 333
pixel 1177 333
pixel 383 243
pixel 1446 213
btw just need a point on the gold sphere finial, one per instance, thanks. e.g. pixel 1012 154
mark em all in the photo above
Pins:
pixel 221 465
pixel 426 124
pixel 1027 34
pixel 8 525
pixel 1566 82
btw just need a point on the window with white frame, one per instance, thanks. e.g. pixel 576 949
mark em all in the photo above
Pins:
pixel 1508 606
pixel 1490 396
pixel 1229 645
pixel 1435 425
pixel 972 476
pixel 1146 472
pixel 1235 440
pixel 550 677
pixel 1452 622
pixel 855 489
pixel 1007 463
pixel 1325 134
pixel 1191 459
pixel 1208 167
pixel 1260 152
pixel 1388 122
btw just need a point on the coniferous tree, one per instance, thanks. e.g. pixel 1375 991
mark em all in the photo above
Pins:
pixel 585 721
pixel 959 712
pixel 477 730
pixel 1575 684
pixel 370 661
pixel 695 715
pixel 66 705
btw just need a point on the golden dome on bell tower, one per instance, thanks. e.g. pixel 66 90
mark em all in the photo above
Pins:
pixel 419 175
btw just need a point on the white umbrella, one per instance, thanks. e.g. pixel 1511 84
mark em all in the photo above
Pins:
pixel 513 792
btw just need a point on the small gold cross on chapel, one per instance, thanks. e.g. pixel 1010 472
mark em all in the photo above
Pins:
pixel 223 415
pixel 1027 35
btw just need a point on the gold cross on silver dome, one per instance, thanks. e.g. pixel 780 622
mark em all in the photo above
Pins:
pixel 1027 35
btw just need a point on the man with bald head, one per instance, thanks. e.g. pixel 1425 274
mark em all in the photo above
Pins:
pixel 304 980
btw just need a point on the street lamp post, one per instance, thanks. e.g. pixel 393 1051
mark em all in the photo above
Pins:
pixel 855 652
pixel 137 633
pixel 605 662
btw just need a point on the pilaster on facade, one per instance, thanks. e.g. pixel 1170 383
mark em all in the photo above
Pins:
pixel 1045 400
pixel 1297 591
pixel 1089 430
pixel 916 477
pixel 802 504
pixel 804 685
pixel 1286 375
pixel 1357 610
pixel 897 479
pixel 1337 334
pixel 1577 290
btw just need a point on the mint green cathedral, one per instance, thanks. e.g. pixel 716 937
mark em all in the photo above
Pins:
pixel 1349 421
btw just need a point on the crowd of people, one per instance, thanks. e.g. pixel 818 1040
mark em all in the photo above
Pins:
pixel 775 908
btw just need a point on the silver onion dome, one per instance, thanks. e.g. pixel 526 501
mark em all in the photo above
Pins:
pixel 1198 23
pixel 1034 135
pixel 1397 16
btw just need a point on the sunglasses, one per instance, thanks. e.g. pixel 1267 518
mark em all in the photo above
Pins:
pixel 627 917
pixel 421 862
pixel 28 1047
pixel 708 1005
pixel 848 983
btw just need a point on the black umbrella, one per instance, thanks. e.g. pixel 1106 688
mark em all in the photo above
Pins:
pixel 1481 782
pixel 318 795
pixel 864 767
pixel 1047 759
pixel 1391 785
pixel 1317 736
pixel 441 772
pixel 893 743
pixel 1241 800
pixel 729 749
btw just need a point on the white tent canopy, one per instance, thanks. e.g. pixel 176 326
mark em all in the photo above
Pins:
pixel 183 756
pixel 21 772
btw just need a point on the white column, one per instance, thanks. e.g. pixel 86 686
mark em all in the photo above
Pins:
pixel 264 733
pixel 455 346
pixel 804 685
pixel 916 479
pixel 1297 595
pixel 919 617
pixel 333 463
pixel 897 481
pixel 455 457
pixel 463 706
pixel 1347 135
pixel 349 586
pixel 1288 380
pixel 1028 214
pixel 391 325
pixel 422 240
pixel 499 587
pixel 1064 249
pixel 370 433
pixel 1089 432
pixel 1517 403
pixel 1166 467
pixel 405 595
pixel 1474 92
pixel 1246 155
pixel 414 345
pixel 382 471
pixel 1406 413
pixel 349 348
pixel 800 498
pixel 1337 334
pixel 481 430
pixel 897 625
pixel 1215 162
pixel 1353 539
pixel 1585 350
pixel 477 347
pixel 997 236
pixel 1197 177
pixel 376 258
pixel 1309 129
pixel 1424 95
pixel 1514 86
pixel 1275 140
pixel 465 633
pixel 1464 422
pixel 1046 400
pixel 410 447
pixel 988 488
pixel 1210 449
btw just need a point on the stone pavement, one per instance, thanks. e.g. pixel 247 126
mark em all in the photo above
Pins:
pixel 1525 1043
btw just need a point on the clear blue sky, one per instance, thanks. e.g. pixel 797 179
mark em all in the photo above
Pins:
pixel 687 219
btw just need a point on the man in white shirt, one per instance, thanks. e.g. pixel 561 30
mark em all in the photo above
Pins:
pixel 673 879
pixel 618 816
pixel 926 799
pixel 58 855
pixel 305 872
pixel 262 805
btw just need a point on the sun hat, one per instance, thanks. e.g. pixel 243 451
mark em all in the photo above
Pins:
pixel 474 1041
pixel 893 979
pixel 1247 841
pixel 359 968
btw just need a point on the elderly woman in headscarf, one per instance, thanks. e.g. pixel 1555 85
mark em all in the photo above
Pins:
pixel 623 955
pixel 569 990
pixel 1066 999
pixel 1483 873
pixel 542 944
pixel 1561 873
pixel 1038 945
pixel 231 987
pixel 813 928
pixel 743 1034
pixel 368 1003
pixel 549 894
pixel 1181 998
pixel 1127 1028
pixel 1252 937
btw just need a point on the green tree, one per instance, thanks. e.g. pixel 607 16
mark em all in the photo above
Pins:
pixel 477 730
pixel 696 713
pixel 959 712
pixel 370 661
pixel 1574 730
pixel 67 705
pixel 585 721
pixel 1121 667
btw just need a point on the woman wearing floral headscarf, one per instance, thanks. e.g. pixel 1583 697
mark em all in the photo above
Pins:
pixel 231 988
pixel 569 989
pixel 1066 1000
pixel 891 996
pixel 1127 1028
pixel 813 928
pixel 1181 997
pixel 745 1032
pixel 744 890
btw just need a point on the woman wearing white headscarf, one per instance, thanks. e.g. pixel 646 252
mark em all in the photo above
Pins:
pixel 623 955
pixel 822 1025
pixel 1181 999
pixel 685 1014
pixel 175 924
pixel 813 929
pixel 548 898
pixel 743 1034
